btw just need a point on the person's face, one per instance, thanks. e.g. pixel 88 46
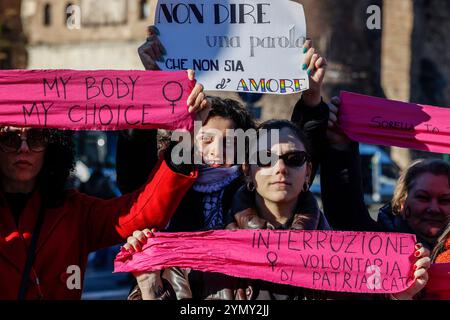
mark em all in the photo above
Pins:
pixel 21 153
pixel 211 141
pixel 282 182
pixel 427 207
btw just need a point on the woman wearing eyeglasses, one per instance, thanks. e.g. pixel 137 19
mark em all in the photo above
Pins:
pixel 46 232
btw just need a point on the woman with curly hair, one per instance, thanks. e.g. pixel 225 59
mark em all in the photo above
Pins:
pixel 47 232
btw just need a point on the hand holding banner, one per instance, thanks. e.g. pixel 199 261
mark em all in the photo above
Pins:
pixel 324 260
pixel 95 100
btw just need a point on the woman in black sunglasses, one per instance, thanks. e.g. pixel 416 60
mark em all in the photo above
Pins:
pixel 20 163
pixel 277 196
pixel 278 174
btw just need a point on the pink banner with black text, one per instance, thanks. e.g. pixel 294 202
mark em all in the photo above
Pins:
pixel 393 123
pixel 324 260
pixel 95 100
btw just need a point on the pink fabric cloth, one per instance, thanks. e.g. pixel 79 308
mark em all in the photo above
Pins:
pixel 438 287
pixel 95 100
pixel 393 123
pixel 324 260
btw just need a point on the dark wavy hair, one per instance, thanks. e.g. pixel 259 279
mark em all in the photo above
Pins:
pixel 225 108
pixel 286 124
pixel 59 162
pixel 277 124
pixel 232 110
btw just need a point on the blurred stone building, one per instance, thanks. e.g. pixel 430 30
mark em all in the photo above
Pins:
pixel 107 37
pixel 408 59
pixel 13 53
pixel 416 56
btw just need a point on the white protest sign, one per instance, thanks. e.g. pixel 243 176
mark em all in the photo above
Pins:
pixel 236 45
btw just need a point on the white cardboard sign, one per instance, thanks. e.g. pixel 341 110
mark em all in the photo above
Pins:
pixel 236 45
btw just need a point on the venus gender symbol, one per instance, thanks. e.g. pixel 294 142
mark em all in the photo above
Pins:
pixel 172 92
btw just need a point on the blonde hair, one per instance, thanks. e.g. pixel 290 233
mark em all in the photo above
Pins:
pixel 440 246
pixel 410 175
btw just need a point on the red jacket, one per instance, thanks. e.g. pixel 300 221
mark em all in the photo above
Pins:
pixel 81 225
pixel 444 257
pixel 438 287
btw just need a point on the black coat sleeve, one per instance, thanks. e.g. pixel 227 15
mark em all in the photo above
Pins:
pixel 137 155
pixel 342 192
pixel 313 121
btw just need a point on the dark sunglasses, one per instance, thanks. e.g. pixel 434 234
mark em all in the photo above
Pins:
pixel 37 140
pixel 294 159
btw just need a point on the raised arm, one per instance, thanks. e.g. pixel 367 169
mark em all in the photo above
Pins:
pixel 137 150
pixel 310 112
pixel 341 181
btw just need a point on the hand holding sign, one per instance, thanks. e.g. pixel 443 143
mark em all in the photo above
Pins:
pixel 421 267
pixel 138 239
pixel 150 283
pixel 152 50
pixel 337 139
pixel 197 101
pixel 316 66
